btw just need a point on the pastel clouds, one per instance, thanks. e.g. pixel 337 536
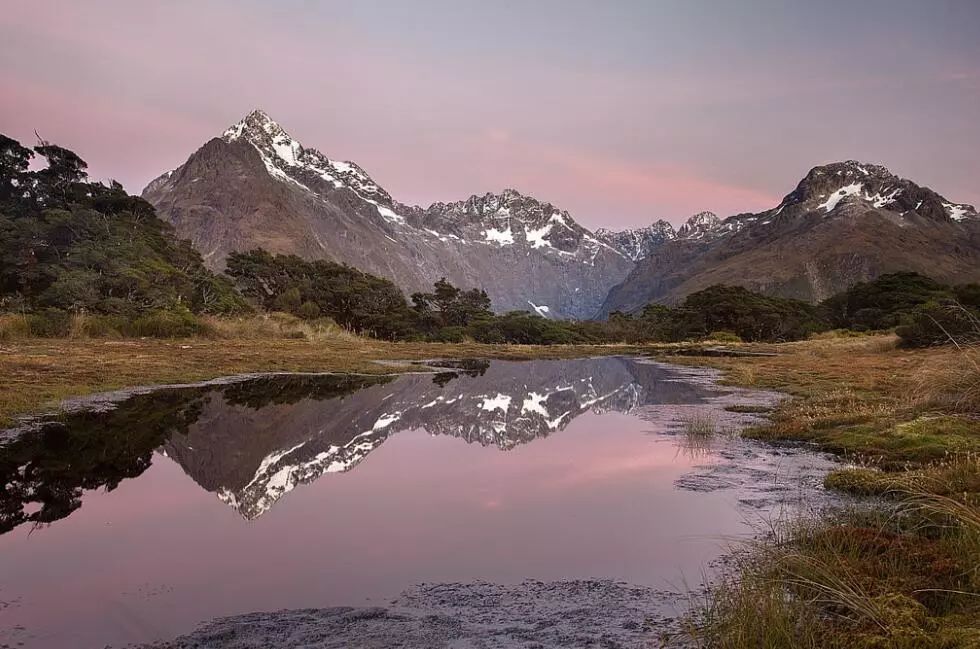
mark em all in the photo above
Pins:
pixel 620 112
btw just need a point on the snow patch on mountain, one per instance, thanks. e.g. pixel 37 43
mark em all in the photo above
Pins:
pixel 854 189
pixel 502 237
pixel 542 310
pixel 959 212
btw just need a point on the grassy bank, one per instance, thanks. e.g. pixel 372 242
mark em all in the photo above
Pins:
pixel 40 372
pixel 905 573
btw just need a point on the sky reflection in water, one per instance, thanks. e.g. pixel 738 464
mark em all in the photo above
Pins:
pixel 303 492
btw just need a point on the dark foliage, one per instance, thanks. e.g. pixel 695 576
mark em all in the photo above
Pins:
pixel 70 245
pixel 46 472
pixel 357 301
pixel 940 323
pixel 882 303
pixel 922 311
pixel 731 310
pixel 450 309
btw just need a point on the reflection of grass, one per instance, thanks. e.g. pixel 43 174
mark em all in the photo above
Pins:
pixel 701 424
pixel 902 575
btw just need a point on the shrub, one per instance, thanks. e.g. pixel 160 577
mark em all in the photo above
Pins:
pixel 84 325
pixel 749 315
pixel 49 323
pixel 449 335
pixel 177 323
pixel 309 310
pixel 881 304
pixel 936 323
pixel 724 337
pixel 14 326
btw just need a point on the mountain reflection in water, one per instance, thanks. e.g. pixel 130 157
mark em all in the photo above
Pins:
pixel 253 441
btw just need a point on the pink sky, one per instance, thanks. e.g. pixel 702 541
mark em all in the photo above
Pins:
pixel 622 113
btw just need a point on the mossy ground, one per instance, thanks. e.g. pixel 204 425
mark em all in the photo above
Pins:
pixel 898 573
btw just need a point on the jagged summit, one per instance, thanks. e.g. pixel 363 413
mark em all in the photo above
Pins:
pixel 257 186
pixel 287 159
pixel 637 243
pixel 700 226
pixel 852 188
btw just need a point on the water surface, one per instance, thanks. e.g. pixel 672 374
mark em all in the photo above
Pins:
pixel 298 491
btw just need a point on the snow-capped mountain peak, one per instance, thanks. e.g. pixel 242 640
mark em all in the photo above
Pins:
pixel 854 188
pixel 703 225
pixel 637 243
pixel 288 160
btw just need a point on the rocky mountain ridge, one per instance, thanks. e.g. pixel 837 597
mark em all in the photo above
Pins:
pixel 844 222
pixel 257 186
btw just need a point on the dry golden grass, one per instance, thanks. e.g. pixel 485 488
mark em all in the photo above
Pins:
pixel 39 372
pixel 949 382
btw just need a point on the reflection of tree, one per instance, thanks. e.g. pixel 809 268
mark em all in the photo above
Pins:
pixel 442 378
pixel 47 470
pixel 287 389
pixel 45 473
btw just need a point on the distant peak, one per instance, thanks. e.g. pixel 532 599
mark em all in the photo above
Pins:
pixel 703 218
pixel 259 114
pixel 256 124
pixel 699 226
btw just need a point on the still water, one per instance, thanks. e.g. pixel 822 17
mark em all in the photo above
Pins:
pixel 295 491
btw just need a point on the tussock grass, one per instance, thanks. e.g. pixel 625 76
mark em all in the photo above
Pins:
pixel 701 424
pixel 14 327
pixel 268 326
pixel 955 475
pixel 861 578
pixel 950 383
pixel 699 430
pixel 898 573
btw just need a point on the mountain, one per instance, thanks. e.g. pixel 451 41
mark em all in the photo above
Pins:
pixel 844 223
pixel 256 186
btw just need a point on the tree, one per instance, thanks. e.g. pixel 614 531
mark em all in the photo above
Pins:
pixel 14 161
pixel 67 244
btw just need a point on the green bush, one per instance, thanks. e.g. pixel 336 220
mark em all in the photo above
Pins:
pixel 523 328
pixel 936 323
pixel 358 301
pixel 449 335
pixel 308 310
pixel 882 303
pixel 178 323
pixel 49 323
pixel 724 337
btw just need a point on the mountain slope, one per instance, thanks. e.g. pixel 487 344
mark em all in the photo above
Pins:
pixel 256 186
pixel 844 223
